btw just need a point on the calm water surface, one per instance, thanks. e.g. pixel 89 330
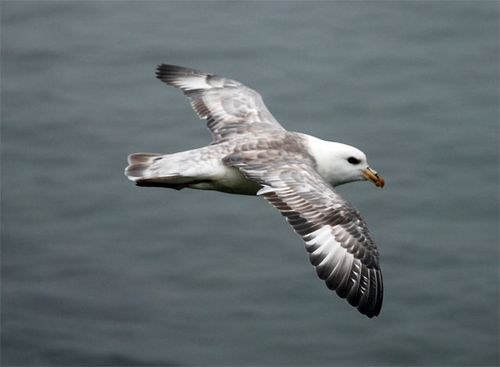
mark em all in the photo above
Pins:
pixel 98 272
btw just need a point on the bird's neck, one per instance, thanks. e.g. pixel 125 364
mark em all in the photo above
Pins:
pixel 323 153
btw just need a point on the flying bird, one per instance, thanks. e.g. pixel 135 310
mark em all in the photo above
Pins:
pixel 252 154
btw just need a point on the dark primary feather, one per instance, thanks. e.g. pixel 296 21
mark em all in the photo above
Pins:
pixel 228 106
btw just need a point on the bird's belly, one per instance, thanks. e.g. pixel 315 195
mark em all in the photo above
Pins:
pixel 229 180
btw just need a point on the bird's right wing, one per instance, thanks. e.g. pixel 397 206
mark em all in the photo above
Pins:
pixel 336 237
pixel 228 106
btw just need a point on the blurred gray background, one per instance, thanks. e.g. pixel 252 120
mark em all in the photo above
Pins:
pixel 96 271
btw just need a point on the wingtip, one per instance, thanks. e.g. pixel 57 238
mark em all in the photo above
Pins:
pixel 169 67
pixel 164 72
pixel 177 76
pixel 374 312
pixel 172 69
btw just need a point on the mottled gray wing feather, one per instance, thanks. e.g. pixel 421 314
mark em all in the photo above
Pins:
pixel 228 106
pixel 336 238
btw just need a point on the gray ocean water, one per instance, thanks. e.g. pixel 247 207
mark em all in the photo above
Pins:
pixel 98 272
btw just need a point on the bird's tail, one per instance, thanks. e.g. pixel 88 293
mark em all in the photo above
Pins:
pixel 196 168
pixel 156 170
pixel 139 165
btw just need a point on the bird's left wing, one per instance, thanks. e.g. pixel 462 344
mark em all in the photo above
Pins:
pixel 228 106
pixel 336 237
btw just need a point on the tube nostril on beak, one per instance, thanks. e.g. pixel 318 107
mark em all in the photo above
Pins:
pixel 373 176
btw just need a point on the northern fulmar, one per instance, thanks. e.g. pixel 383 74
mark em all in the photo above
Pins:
pixel 252 154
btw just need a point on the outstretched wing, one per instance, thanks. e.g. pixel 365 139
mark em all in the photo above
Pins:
pixel 336 238
pixel 228 106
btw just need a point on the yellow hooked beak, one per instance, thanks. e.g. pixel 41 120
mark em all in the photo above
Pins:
pixel 374 177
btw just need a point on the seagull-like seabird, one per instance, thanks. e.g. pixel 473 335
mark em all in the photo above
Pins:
pixel 252 154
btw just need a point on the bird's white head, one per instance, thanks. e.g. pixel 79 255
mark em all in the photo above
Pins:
pixel 341 163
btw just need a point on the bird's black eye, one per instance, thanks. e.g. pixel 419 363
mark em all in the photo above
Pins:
pixel 353 160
